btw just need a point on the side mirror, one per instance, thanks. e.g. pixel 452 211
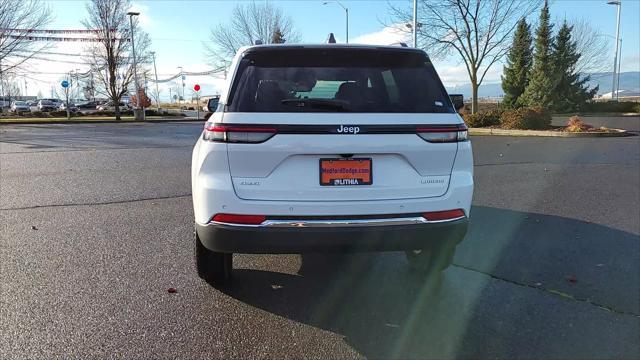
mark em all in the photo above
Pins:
pixel 212 104
pixel 457 100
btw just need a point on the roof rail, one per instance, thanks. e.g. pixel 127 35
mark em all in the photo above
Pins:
pixel 400 44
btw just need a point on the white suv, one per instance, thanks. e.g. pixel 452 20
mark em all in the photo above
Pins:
pixel 331 148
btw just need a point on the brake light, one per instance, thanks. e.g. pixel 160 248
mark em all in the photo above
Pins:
pixel 239 219
pixel 237 134
pixel 443 215
pixel 446 134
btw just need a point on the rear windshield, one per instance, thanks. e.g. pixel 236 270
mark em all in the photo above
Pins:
pixel 337 80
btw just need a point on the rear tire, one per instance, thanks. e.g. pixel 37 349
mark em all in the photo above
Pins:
pixel 212 266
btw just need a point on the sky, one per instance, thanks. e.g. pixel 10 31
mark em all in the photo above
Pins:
pixel 180 29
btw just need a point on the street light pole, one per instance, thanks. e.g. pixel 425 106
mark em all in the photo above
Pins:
pixel 346 12
pixel 617 3
pixel 155 70
pixel 618 80
pixel 93 91
pixel 2 89
pixel 66 93
pixel 182 79
pixel 414 28
pixel 135 68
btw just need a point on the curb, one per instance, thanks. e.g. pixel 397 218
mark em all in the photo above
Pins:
pixel 547 133
pixel 631 114
pixel 98 121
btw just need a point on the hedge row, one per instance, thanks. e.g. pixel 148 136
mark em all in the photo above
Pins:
pixel 56 114
pixel 522 119
pixel 610 107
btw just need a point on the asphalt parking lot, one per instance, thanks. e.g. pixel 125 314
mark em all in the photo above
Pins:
pixel 96 225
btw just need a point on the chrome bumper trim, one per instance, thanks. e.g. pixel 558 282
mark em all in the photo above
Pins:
pixel 341 223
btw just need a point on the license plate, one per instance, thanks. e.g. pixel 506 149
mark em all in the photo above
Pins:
pixel 345 172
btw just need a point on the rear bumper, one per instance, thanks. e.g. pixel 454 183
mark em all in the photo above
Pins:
pixel 293 240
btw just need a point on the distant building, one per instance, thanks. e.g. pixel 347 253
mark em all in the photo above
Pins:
pixel 621 93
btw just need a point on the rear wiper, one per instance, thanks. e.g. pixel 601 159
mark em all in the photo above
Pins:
pixel 318 103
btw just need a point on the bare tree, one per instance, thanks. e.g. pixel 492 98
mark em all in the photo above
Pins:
pixel 155 95
pixel 478 31
pixel 593 46
pixel 15 46
pixel 111 60
pixel 175 89
pixel 11 86
pixel 249 22
pixel 87 86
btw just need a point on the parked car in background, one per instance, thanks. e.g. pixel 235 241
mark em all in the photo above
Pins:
pixel 56 102
pixel 108 106
pixel 87 105
pixel 33 105
pixel 72 107
pixel 46 105
pixel 20 107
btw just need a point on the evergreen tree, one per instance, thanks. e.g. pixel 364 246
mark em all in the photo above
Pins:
pixel 539 90
pixel 517 70
pixel 570 90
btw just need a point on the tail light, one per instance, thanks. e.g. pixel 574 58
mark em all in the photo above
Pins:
pixel 444 215
pixel 239 219
pixel 446 134
pixel 237 134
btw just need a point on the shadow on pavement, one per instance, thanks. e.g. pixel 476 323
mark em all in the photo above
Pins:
pixel 498 301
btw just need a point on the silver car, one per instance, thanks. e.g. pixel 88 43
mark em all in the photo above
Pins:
pixel 20 107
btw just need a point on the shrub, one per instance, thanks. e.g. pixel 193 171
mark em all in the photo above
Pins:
pixel 636 109
pixel 37 114
pixel 58 113
pixel 154 112
pixel 610 106
pixel 576 124
pixel 144 99
pixel 525 119
pixel 483 119
pixel 109 113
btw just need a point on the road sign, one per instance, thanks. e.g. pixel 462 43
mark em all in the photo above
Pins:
pixel 184 77
pixel 64 83
pixel 175 97
pixel 196 87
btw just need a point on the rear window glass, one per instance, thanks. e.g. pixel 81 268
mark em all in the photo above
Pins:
pixel 337 80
